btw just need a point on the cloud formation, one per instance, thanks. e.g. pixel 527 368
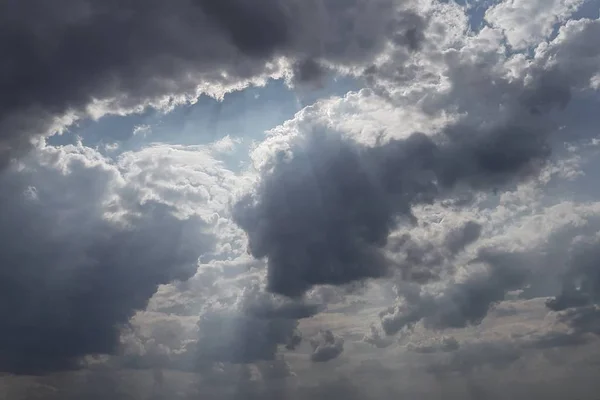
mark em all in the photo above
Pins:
pixel 323 212
pixel 88 58
pixel 326 204
pixel 79 258
pixel 458 172
pixel 461 302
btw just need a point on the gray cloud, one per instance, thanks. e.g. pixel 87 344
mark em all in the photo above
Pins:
pixel 581 281
pixel 424 259
pixel 459 238
pixel 60 58
pixel 462 302
pixel 76 265
pixel 258 30
pixel 324 209
pixel 229 336
pixel 323 215
pixel 326 346
pixel 252 330
pixel 583 320
pixel 308 71
pixel 375 338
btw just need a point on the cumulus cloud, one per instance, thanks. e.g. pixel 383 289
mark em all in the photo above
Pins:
pixel 322 212
pixel 526 23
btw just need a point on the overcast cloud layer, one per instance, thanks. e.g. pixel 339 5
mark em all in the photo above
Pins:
pixel 435 231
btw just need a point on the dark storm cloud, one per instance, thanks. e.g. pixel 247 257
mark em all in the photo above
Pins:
pixel 59 57
pixel 326 346
pixel 320 218
pixel 323 214
pixel 69 277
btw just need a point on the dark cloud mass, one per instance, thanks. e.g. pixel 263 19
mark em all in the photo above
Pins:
pixel 71 277
pixel 62 56
pixel 258 28
pixel 323 216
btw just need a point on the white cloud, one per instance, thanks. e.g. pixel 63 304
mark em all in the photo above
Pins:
pixel 528 22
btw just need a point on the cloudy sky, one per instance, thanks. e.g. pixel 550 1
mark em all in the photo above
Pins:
pixel 292 199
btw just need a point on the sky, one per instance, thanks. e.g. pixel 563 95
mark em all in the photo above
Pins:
pixel 292 199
